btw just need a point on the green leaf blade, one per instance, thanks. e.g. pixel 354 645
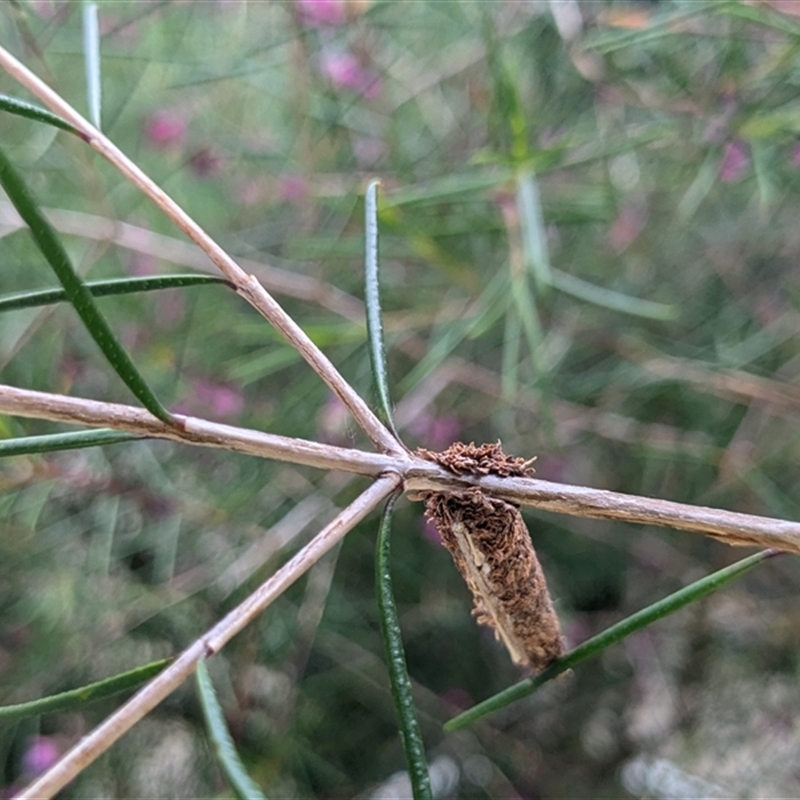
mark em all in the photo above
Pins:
pixel 410 734
pixel 377 351
pixel 81 298
pixel 73 440
pixel 242 784
pixel 76 698
pixel 616 633
pixel 31 111
pixel 108 288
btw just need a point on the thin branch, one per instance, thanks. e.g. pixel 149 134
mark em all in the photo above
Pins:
pixel 191 430
pixel 730 527
pixel 419 476
pixel 122 720
pixel 246 285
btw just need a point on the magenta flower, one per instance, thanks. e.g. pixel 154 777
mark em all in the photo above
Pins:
pixel 735 161
pixel 318 13
pixel 41 754
pixel 345 71
pixel 165 129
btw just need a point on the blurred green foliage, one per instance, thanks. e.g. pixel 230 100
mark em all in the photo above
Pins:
pixel 661 140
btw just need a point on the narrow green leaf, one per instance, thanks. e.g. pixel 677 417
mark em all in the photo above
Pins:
pixel 91 57
pixel 377 351
pixel 81 298
pixel 23 109
pixel 595 645
pixel 241 783
pixel 534 235
pixel 396 663
pixel 608 298
pixel 27 445
pixel 77 698
pixel 760 14
pixel 107 288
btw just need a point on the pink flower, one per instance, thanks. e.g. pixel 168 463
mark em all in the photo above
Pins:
pixel 735 160
pixel 41 754
pixel 165 129
pixel 345 71
pixel 322 12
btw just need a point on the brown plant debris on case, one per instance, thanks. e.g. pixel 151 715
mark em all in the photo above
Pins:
pixel 492 549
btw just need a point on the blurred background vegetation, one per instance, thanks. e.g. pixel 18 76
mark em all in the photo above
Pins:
pixel 589 248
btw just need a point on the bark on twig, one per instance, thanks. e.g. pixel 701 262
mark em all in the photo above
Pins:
pixel 420 476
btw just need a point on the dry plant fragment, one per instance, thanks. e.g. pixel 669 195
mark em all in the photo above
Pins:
pixel 492 549
pixel 485 459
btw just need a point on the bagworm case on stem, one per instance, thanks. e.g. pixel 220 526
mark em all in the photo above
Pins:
pixel 492 549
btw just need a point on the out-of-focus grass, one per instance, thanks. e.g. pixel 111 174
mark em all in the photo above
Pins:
pixel 663 141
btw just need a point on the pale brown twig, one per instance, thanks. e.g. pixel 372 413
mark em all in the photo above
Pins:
pixel 420 476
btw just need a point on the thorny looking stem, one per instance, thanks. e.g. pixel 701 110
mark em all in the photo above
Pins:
pixel 246 285
pixel 419 476
pixel 92 746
